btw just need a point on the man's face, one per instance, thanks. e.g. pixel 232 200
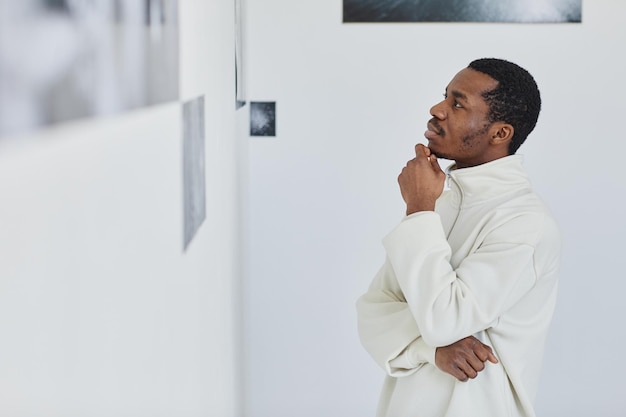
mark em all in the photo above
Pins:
pixel 460 128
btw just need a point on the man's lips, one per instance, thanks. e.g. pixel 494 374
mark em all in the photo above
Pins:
pixel 433 129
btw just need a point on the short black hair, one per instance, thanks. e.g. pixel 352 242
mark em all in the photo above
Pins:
pixel 516 99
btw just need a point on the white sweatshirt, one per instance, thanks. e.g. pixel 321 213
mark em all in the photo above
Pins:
pixel 484 263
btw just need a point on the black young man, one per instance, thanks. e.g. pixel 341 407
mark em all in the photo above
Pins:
pixel 459 312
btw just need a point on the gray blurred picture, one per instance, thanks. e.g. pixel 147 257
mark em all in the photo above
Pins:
pixel 69 59
pixel 262 118
pixel 194 195
pixel 513 11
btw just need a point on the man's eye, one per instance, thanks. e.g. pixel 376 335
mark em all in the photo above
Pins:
pixel 457 104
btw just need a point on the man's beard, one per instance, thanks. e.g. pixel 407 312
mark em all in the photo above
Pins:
pixel 466 140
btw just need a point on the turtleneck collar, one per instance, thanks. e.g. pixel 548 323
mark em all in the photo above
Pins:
pixel 499 178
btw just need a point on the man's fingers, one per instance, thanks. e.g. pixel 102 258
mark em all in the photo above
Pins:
pixel 489 354
pixel 464 359
pixel 476 363
pixel 468 370
pixel 459 374
pixel 433 159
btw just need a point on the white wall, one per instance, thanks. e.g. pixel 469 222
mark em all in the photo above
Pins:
pixel 101 312
pixel 352 100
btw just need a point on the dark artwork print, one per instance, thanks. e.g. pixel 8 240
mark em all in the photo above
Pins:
pixel 262 118
pixel 504 11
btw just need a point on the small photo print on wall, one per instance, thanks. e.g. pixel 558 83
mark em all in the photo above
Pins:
pixel 509 11
pixel 69 59
pixel 194 194
pixel 262 118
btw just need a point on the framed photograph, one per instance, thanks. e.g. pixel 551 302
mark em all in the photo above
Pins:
pixel 262 118
pixel 194 189
pixel 68 59
pixel 511 11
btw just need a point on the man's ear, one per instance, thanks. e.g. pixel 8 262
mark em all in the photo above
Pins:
pixel 502 133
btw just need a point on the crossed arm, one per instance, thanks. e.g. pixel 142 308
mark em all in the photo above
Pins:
pixel 390 334
pixel 416 302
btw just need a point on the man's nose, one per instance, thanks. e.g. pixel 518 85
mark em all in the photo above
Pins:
pixel 438 111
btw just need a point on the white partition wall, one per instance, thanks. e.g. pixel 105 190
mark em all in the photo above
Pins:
pixel 351 102
pixel 102 313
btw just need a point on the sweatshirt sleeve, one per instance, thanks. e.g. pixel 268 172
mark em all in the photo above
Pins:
pixel 387 327
pixel 449 304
